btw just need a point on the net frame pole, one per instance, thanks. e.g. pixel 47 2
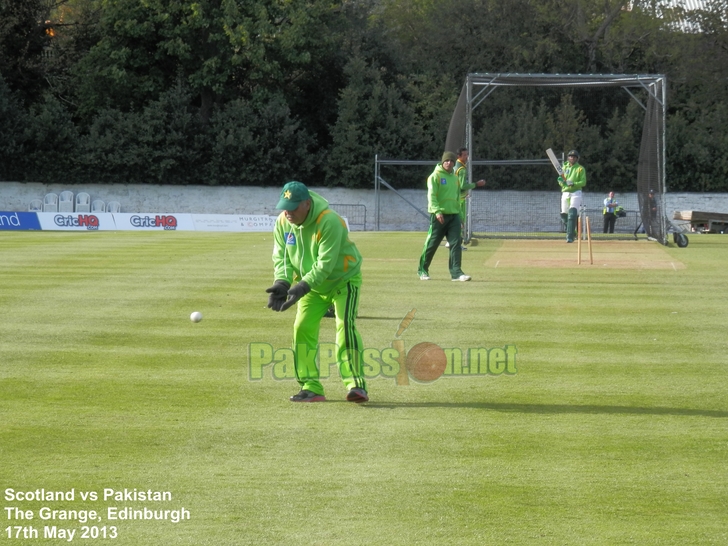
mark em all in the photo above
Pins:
pixel 376 190
pixel 469 145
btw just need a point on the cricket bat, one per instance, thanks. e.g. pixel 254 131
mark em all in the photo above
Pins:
pixel 555 162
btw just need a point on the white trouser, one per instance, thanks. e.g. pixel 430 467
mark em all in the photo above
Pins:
pixel 570 200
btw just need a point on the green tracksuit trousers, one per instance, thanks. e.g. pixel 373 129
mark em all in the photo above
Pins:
pixel 311 310
pixel 449 229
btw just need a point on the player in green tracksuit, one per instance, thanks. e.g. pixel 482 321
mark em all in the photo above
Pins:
pixel 312 249
pixel 461 170
pixel 573 181
pixel 443 204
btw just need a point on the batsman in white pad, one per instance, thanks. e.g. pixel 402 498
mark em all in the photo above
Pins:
pixel 572 179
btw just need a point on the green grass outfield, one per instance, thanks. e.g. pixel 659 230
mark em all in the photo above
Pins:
pixel 614 430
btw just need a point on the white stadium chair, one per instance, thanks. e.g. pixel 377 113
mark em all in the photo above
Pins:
pixel 36 205
pixel 65 201
pixel 83 202
pixel 50 203
pixel 113 206
pixel 98 206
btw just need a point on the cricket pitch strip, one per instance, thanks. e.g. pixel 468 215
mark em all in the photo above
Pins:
pixel 607 254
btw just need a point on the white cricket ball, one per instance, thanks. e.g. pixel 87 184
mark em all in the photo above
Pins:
pixel 196 316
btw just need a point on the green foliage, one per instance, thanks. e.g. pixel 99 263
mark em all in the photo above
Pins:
pixel 13 121
pixel 325 85
pixel 154 146
pixel 22 37
pixel 696 148
pixel 433 99
pixel 552 119
pixel 614 166
pixel 527 127
pixel 452 38
pixel 52 141
pixel 273 41
pixel 634 42
pixel 374 119
pixel 564 122
pixel 222 49
pixel 258 143
pixel 139 55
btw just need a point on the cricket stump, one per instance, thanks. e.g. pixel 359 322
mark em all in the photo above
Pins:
pixel 578 241
pixel 588 240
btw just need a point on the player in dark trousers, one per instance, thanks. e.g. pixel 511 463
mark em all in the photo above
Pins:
pixel 312 249
pixel 610 216
pixel 443 204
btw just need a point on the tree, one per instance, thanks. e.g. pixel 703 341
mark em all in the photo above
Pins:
pixel 13 121
pixel 374 119
pixel 51 143
pixel 22 37
pixel 178 91
pixel 222 50
pixel 157 145
pixel 257 143
pixel 452 38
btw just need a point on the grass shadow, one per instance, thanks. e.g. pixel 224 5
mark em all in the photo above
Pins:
pixel 554 408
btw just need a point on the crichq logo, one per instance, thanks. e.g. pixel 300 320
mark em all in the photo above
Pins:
pixel 167 222
pixel 424 362
pixel 88 221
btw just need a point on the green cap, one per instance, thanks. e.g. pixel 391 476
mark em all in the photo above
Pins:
pixel 449 156
pixel 292 195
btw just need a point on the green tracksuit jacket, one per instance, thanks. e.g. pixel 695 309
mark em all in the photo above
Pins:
pixel 443 192
pixel 318 251
pixel 462 172
pixel 576 175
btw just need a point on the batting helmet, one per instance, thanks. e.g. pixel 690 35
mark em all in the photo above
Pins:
pixel 574 153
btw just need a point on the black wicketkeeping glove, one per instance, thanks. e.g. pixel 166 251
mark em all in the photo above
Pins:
pixel 295 294
pixel 278 294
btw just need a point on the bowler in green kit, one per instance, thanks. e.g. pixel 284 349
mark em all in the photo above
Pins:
pixel 316 265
